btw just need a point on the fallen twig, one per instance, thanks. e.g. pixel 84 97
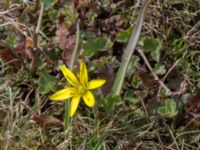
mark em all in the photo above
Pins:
pixel 151 69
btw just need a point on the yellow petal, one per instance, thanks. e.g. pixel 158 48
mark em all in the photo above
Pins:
pixel 63 94
pixel 95 84
pixel 74 105
pixel 71 78
pixel 89 99
pixel 83 74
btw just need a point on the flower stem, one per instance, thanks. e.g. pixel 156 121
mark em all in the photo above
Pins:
pixel 67 118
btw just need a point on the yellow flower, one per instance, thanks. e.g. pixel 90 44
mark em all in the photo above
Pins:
pixel 80 88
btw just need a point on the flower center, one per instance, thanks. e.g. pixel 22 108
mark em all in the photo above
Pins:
pixel 82 90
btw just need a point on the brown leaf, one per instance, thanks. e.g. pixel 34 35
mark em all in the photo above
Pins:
pixel 24 49
pixel 66 41
pixel 194 104
pixel 109 76
pixel 183 88
pixel 3 116
pixel 43 120
pixel 112 25
pixel 84 2
pixel 20 53
pixel 6 55
pixel 64 38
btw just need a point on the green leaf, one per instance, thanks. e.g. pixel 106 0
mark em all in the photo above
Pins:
pixel 124 36
pixel 169 110
pixel 53 15
pixel 70 15
pixel 159 69
pixel 11 40
pixel 132 65
pixel 136 81
pixel 85 35
pixel 105 3
pixel 91 16
pixel 131 96
pixel 49 3
pixel 93 46
pixel 110 102
pixel 46 83
pixel 171 107
pixel 153 46
pixel 121 73
pixel 162 110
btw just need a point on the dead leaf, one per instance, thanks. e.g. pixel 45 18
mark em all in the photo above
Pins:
pixel 6 55
pixel 112 24
pixel 24 49
pixel 3 117
pixel 21 53
pixel 44 121
pixel 183 88
pixel 83 2
pixel 64 38
pixel 109 76
pixel 194 104
pixel 66 41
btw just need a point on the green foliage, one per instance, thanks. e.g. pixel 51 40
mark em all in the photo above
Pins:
pixel 131 96
pixel 124 36
pixel 91 17
pixel 100 141
pixel 134 96
pixel 110 102
pixel 136 81
pixel 159 69
pixel 46 83
pixel 49 3
pixel 153 46
pixel 105 3
pixel 11 40
pixel 92 46
pixel 169 110
pixel 86 35
pixel 132 65
pixel 53 15
pixel 70 15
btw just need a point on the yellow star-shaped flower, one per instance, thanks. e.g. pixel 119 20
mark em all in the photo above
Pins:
pixel 80 88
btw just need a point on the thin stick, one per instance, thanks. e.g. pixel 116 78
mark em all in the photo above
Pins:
pixel 151 69
pixel 163 80
pixel 192 30
pixel 86 141
pixel 187 133
pixel 7 11
pixel 35 39
pixel 174 138
pixel 5 24
pixel 145 109
pixel 39 24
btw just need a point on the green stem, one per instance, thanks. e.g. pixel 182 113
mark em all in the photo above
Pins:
pixel 117 86
pixel 67 118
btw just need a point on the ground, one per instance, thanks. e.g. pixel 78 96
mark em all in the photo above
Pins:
pixel 159 104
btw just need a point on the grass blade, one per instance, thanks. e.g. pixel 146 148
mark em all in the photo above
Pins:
pixel 128 52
